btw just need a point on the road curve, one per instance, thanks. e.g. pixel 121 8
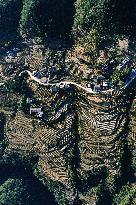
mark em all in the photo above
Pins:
pixel 53 84
pixel 75 84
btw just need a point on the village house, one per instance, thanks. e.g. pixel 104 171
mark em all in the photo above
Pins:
pixel 99 83
pixel 36 111
pixel 125 62
pixel 37 74
pixel 29 100
pixel 53 89
pixel 62 85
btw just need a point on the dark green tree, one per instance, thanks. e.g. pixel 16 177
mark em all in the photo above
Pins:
pixel 108 17
pixel 47 18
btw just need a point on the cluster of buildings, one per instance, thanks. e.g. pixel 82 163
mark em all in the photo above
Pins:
pixel 12 54
pixel 35 111
pixel 59 86
pixel 125 62
pixel 99 83
pixel 45 74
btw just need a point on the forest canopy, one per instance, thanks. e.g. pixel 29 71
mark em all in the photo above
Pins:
pixel 59 18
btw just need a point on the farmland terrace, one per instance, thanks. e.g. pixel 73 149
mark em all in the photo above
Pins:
pixel 80 141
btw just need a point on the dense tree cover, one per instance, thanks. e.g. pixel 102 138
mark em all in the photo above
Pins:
pixel 88 13
pixel 17 191
pixel 51 18
pixel 18 185
pixel 26 20
pixel 57 18
pixel 18 84
pixel 126 196
pixel 13 191
pixel 10 11
pixel 107 16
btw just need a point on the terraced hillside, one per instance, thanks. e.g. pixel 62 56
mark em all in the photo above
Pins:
pixel 67 112
pixel 81 143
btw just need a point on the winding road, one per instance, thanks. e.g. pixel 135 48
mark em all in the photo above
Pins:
pixel 76 84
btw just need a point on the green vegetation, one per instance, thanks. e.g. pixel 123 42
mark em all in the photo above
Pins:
pixel 126 195
pixel 54 187
pixel 13 192
pixel 119 77
pixel 92 25
pixel 26 16
pixel 109 18
pixel 58 18
pixel 18 84
pixel 10 11
pixel 47 18
pixel 17 191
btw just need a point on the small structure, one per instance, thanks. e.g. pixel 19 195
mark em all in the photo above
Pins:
pixel 106 85
pixel 62 85
pixel 29 100
pixel 125 62
pixel 133 73
pixel 67 86
pixel 26 65
pixel 37 74
pixel 99 83
pixel 37 111
pixel 44 80
pixel 16 49
pixel 53 89
pixel 100 80
pixel 11 54
pixel 40 114
pixel 91 86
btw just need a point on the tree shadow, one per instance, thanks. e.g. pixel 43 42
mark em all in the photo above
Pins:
pixel 38 193
pixel 55 18
pixel 10 13
pixel 123 15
